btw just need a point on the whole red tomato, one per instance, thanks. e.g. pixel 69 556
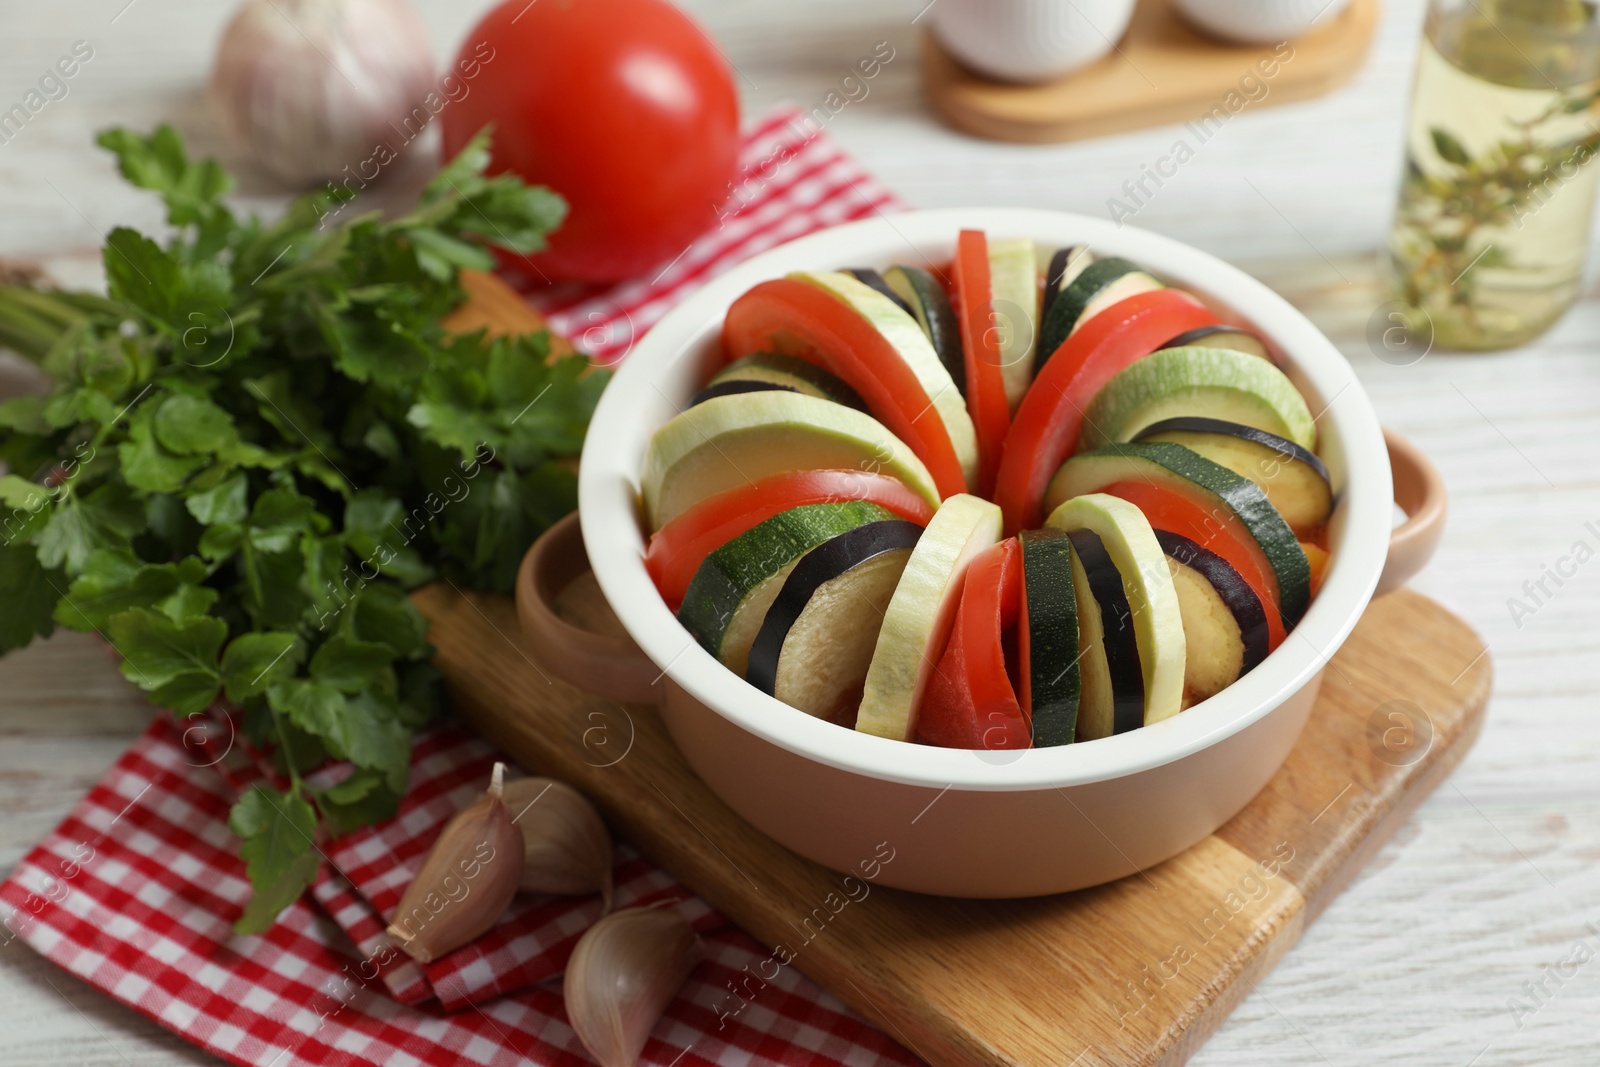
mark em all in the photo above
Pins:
pixel 624 107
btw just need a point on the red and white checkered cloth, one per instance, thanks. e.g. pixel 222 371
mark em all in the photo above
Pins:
pixel 792 180
pixel 136 892
pixel 366 872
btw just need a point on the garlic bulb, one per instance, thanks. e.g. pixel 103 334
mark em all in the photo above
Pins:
pixel 466 881
pixel 565 846
pixel 313 87
pixel 622 975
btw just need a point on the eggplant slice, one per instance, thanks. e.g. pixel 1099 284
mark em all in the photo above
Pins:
pixel 873 280
pixel 818 637
pixel 735 386
pixel 1224 622
pixel 1113 679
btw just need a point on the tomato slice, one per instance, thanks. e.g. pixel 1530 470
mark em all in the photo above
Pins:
pixel 971 701
pixel 678 548
pixel 980 342
pixel 789 316
pixel 1214 528
pixel 1046 426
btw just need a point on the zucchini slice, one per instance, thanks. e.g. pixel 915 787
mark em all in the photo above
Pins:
pixel 1219 336
pixel 814 647
pixel 917 623
pixel 930 306
pixel 1014 296
pixel 874 280
pixel 1293 478
pixel 1112 697
pixel 1178 468
pixel 1065 265
pixel 728 597
pixel 731 440
pixel 1224 622
pixel 908 341
pixel 1047 640
pixel 1214 382
pixel 1099 285
pixel 1157 622
pixel 786 372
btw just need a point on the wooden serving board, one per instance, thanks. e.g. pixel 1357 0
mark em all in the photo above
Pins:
pixel 1137 972
pixel 1162 71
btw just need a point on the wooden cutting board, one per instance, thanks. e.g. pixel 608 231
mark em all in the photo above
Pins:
pixel 1162 71
pixel 1137 972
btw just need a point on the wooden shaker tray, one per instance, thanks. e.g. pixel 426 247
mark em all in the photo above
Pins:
pixel 1162 71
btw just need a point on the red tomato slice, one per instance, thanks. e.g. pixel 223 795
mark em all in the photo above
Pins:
pixel 980 343
pixel 948 717
pixel 788 316
pixel 678 548
pixel 1214 528
pixel 1051 413
pixel 971 702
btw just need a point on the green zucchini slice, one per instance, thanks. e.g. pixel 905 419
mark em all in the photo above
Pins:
pixel 1293 478
pixel 728 597
pixel 1048 638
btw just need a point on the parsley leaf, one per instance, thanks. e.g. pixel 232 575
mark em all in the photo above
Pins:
pixel 257 443
pixel 30 592
pixel 254 661
pixel 176 660
pixel 277 832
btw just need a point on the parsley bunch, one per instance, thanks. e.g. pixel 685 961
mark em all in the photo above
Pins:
pixel 256 443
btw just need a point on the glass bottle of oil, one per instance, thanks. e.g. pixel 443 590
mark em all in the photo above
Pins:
pixel 1493 219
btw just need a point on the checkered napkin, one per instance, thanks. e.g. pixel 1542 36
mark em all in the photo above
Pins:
pixel 366 872
pixel 137 890
pixel 792 180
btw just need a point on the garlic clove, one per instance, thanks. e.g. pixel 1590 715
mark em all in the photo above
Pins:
pixel 467 880
pixel 622 975
pixel 324 90
pixel 566 848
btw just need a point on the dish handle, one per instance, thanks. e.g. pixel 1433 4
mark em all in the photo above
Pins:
pixel 1420 493
pixel 607 664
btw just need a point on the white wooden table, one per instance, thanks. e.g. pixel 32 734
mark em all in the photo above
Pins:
pixel 1498 873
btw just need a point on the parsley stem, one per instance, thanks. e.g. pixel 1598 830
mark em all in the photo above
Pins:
pixel 288 753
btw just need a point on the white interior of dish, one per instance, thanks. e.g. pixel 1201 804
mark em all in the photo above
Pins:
pixel 676 356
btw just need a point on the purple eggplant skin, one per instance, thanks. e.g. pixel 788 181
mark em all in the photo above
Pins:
pixel 737 386
pixel 1116 619
pixel 1240 600
pixel 829 560
pixel 1200 424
